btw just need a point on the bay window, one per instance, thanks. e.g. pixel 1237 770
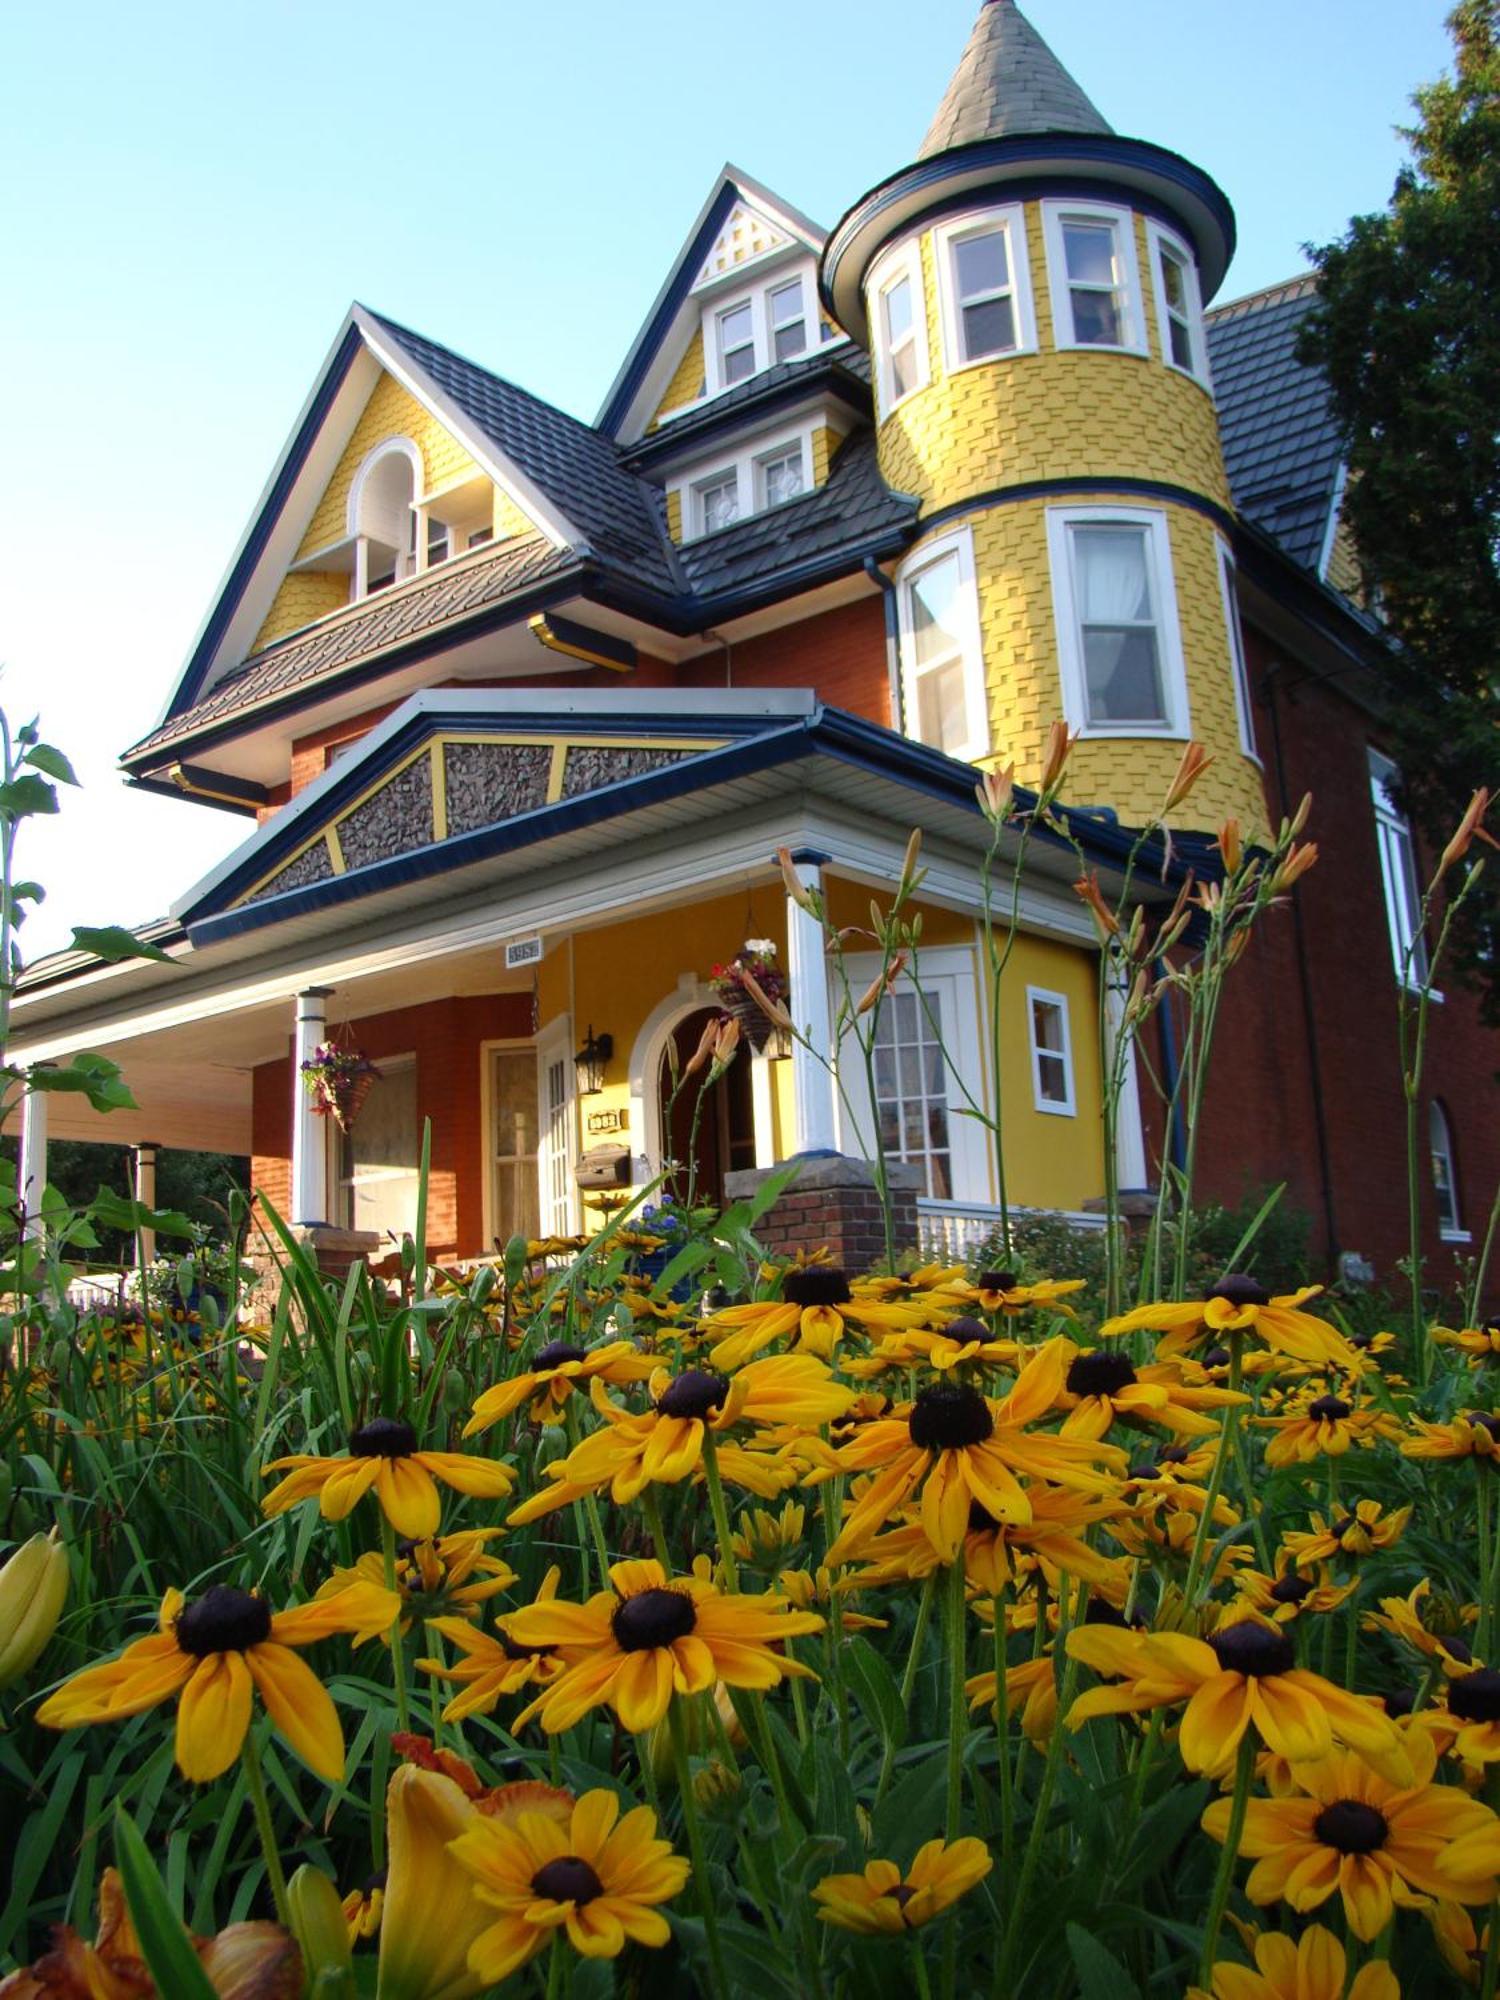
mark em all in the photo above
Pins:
pixel 1093 276
pixel 1118 640
pixel 984 287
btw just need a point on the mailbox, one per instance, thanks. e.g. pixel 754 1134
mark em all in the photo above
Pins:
pixel 604 1167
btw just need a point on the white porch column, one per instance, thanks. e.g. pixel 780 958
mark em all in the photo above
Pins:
pixel 813 1129
pixel 1130 1135
pixel 309 1133
pixel 763 1115
pixel 33 1175
pixel 145 1193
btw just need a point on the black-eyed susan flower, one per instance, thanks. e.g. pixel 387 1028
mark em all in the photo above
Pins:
pixel 1314 1967
pixel 1318 1423
pixel 1359 1532
pixel 1466 1724
pixel 1054 1537
pixel 1003 1292
pixel 440 1576
pixel 1104 1387
pixel 1289 1592
pixel 1244 1677
pixel 1462 1944
pixel 812 1590
pixel 384 1457
pixel 1352 1833
pixel 1479 1343
pixel 817 1304
pixel 214 1652
pixel 765 1538
pixel 651 1636
pixel 556 1372
pixel 1471 1434
pixel 664 1445
pixel 491 1665
pixel 956 1447
pixel 1030 1693
pixel 962 1342
pixel 1240 1304
pixel 1428 1621
pixel 884 1902
pixel 597 1880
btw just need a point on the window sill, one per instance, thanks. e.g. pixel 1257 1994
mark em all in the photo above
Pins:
pixel 1055 1110
pixel 1114 732
pixel 988 360
pixel 1103 347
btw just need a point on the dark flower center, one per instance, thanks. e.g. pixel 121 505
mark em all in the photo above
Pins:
pixel 1174 1454
pixel 223 1620
pixel 1291 1588
pixel 567 1880
pixel 818 1285
pixel 652 1618
pixel 1456 1648
pixel 512 1651
pixel 1240 1290
pixel 1101 1612
pixel 1362 1339
pixel 1399 1702
pixel 1476 1697
pixel 1216 1357
pixel 1331 1407
pixel 1100 1373
pixel 555 1353
pixel 693 1394
pixel 1351 1826
pixel 1483 1421
pixel 383 1437
pixel 901 1895
pixel 997 1281
pixel 1253 1649
pixel 981 1520
pixel 948 1416
pixel 966 1328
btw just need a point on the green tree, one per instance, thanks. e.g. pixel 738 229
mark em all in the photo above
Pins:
pixel 1408 333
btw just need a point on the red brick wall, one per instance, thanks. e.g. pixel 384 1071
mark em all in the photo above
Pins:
pixel 1269 1076
pixel 445 1036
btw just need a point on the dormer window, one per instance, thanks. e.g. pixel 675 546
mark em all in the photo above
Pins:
pixel 382 518
pixel 779 476
pixel 788 314
pixel 762 475
pixel 736 344
pixel 749 331
pixel 718 502
pixel 1095 280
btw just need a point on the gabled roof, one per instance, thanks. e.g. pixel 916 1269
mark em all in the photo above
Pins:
pixel 1281 444
pixel 1007 82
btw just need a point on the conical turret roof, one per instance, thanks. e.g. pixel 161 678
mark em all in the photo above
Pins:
pixel 1008 81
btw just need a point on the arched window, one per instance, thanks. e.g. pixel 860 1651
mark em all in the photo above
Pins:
pixel 1444 1171
pixel 382 516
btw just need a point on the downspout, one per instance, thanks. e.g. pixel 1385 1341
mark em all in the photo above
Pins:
pixel 1304 983
pixel 883 583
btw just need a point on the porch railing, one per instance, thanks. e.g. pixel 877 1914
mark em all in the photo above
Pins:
pixel 950 1232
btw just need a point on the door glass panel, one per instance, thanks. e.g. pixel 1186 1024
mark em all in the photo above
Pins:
pixel 380 1159
pixel 513 1095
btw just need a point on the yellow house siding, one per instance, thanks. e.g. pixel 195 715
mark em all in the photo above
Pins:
pixel 825 443
pixel 674 515
pixel 508 518
pixel 308 595
pixel 390 412
pixel 1343 564
pixel 1049 415
pixel 687 384
pixel 1051 1160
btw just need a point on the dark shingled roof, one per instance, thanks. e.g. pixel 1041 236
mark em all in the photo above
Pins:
pixel 1281 445
pixel 372 627
pixel 1008 81
pixel 853 508
pixel 575 466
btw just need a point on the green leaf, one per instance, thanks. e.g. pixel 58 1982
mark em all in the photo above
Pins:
pixel 1100 1974
pixel 113 942
pixel 876 1690
pixel 116 1212
pixel 93 1077
pixel 52 763
pixel 165 1944
pixel 26 795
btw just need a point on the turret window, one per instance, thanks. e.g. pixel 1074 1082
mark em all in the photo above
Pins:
pixel 1095 280
pixel 984 286
pixel 1119 644
pixel 1179 312
pixel 941 657
pixel 898 313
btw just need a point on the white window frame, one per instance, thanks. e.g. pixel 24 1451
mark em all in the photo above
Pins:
pixel 1011 221
pixel 1400 884
pixel 744 466
pixel 971 641
pixel 1067 1107
pixel 1439 1126
pixel 1239 666
pixel 793 447
pixel 557 1192
pixel 757 297
pixel 905 261
pixel 1158 240
pixel 488 1050
pixel 1061 522
pixel 950 972
pixel 1054 214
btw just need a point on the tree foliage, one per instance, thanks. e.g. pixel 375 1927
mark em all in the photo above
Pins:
pixel 1408 334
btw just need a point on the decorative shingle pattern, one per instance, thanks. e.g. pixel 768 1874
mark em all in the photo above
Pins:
pixel 372 627
pixel 393 820
pixel 1008 81
pixel 489 781
pixel 589 766
pixel 311 865
pixel 576 467
pixel 1281 445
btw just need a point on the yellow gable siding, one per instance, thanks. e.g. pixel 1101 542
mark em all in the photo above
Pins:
pixel 303 598
pixel 689 382
pixel 390 412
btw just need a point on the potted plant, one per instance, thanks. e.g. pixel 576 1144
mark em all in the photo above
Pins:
pixel 338 1078
pixel 756 958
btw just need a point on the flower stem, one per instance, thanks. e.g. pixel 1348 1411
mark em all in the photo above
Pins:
pixel 1244 1771
pixel 555 1967
pixel 1489 1565
pixel 958 1730
pixel 1221 1461
pixel 1002 1728
pixel 651 1508
pixel 1001 1988
pixel 260 1805
pixel 720 1511
pixel 908 1679
pixel 398 1643
pixel 919 1968
pixel 717 1981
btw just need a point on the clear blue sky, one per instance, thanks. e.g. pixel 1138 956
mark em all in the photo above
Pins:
pixel 196 192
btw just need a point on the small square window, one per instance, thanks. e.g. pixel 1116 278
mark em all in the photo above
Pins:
pixel 718 502
pixel 779 477
pixel 1051 1052
pixel 788 321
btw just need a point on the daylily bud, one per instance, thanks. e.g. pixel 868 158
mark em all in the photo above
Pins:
pixel 882 982
pixel 1194 762
pixel 1300 816
pixel 1060 741
pixel 994 791
pixel 1294 867
pixel 700 1056
pixel 33 1590
pixel 726 1041
pixel 1228 844
pixel 322 1930
pixel 772 1009
pixel 796 888
pixel 909 859
pixel 1103 916
pixel 1468 826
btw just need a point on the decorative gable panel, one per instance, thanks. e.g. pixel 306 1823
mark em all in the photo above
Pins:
pixel 745 236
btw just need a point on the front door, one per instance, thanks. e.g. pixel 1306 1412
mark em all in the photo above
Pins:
pixel 515 1207
pixel 708 1129
pixel 380 1160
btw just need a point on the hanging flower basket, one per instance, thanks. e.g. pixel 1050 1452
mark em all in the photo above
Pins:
pixel 338 1079
pixel 757 957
